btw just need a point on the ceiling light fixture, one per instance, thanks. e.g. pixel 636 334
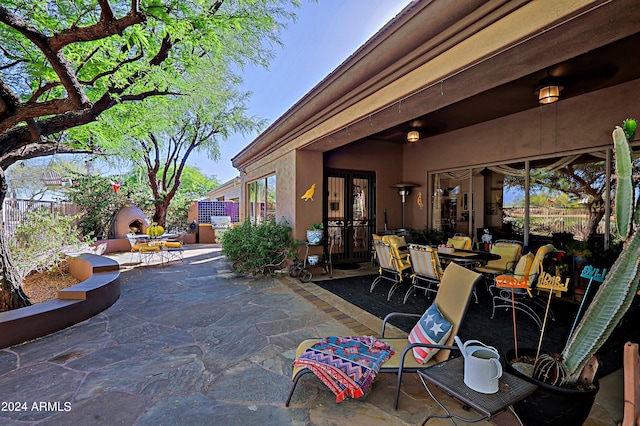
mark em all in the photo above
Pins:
pixel 413 136
pixel 548 90
pixel 548 94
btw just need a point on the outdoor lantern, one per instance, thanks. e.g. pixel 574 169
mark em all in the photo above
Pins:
pixel 413 136
pixel 548 94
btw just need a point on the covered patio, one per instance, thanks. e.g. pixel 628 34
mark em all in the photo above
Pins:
pixel 445 100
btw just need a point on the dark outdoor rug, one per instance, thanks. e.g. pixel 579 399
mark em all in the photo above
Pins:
pixel 346 266
pixel 497 332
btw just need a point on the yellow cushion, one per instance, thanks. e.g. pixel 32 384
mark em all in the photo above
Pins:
pixel 524 265
pixel 507 254
pixel 456 243
pixel 394 240
pixel 170 244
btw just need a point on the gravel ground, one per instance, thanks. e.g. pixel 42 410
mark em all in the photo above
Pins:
pixel 44 286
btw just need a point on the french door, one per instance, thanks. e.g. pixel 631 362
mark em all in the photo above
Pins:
pixel 350 214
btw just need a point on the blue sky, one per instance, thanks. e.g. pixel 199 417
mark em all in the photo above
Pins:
pixel 322 37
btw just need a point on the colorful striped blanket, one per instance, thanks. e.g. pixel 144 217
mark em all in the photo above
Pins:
pixel 347 365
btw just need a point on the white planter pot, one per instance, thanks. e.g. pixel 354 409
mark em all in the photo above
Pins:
pixel 315 237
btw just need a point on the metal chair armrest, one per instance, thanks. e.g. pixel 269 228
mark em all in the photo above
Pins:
pixel 396 314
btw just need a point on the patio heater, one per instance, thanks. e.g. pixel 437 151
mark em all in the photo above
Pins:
pixel 403 190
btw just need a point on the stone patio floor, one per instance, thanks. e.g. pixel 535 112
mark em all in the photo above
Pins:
pixel 196 344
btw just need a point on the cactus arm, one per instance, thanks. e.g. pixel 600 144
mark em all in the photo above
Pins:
pixel 616 293
pixel 608 307
pixel 636 214
pixel 624 188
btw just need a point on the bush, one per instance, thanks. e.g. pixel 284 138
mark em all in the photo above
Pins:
pixel 40 242
pixel 258 249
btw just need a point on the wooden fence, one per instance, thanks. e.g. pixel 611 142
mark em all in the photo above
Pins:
pixel 550 220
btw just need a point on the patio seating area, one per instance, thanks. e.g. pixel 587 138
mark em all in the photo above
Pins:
pixel 196 343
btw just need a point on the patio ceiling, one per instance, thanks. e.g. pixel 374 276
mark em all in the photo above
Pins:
pixel 598 69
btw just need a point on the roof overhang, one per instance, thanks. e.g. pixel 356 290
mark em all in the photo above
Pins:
pixel 443 65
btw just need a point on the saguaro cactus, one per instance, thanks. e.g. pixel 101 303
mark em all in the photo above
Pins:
pixel 621 283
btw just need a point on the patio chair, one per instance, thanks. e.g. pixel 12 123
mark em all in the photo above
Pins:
pixel 399 241
pixel 427 270
pixel 524 278
pixel 451 301
pixel 460 242
pixel 509 252
pixel 174 249
pixel 374 258
pixel 148 251
pixel 393 266
pixel 135 247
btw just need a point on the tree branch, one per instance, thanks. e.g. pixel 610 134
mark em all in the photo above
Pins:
pixel 106 26
pixel 36 150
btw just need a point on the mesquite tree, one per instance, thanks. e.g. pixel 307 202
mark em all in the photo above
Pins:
pixel 65 63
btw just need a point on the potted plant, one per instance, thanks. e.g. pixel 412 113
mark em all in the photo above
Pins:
pixel 315 232
pixel 566 394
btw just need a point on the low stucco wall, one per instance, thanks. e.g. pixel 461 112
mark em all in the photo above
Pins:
pixel 99 289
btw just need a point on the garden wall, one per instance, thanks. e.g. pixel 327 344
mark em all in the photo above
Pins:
pixel 99 289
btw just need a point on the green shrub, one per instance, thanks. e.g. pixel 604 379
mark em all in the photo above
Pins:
pixel 258 249
pixel 40 242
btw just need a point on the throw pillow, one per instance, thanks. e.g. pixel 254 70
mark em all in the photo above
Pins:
pixel 433 329
pixel 456 243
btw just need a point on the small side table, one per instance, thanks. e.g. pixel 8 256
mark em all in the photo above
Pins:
pixel 449 376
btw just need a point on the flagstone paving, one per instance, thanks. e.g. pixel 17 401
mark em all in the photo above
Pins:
pixel 197 344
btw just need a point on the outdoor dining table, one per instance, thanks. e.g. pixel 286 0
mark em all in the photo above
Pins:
pixel 467 258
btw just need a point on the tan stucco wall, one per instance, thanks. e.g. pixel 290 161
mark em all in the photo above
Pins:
pixel 308 172
pixel 574 124
pixel 293 171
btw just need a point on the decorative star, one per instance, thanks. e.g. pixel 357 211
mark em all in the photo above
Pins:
pixel 429 318
pixel 437 328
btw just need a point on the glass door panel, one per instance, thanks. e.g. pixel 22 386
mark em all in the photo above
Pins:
pixel 350 214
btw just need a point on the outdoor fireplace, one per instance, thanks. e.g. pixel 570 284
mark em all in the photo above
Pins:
pixel 129 219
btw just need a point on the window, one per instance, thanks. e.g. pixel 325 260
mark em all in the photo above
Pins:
pixel 261 196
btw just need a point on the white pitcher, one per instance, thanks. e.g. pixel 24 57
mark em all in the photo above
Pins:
pixel 482 368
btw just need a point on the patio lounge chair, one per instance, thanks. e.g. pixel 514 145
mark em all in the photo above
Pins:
pixel 394 266
pixel 427 270
pixel 452 301
pixel 525 277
